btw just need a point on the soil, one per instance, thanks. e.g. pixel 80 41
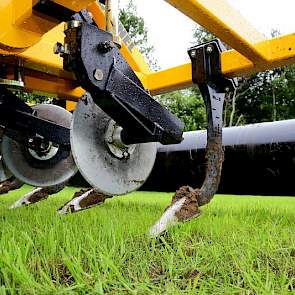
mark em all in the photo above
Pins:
pixel 9 185
pixel 190 208
pixel 195 198
pixel 38 196
pixel 4 189
pixel 93 198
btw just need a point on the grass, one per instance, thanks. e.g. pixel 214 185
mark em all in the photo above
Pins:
pixel 240 245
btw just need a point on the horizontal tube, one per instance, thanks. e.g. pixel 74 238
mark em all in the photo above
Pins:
pixel 253 134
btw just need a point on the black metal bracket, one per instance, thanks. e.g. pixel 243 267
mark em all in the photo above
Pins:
pixel 20 122
pixel 213 85
pixel 103 72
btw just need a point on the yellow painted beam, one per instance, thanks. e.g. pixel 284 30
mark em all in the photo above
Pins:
pixel 40 58
pixel 221 19
pixel 70 105
pixel 40 83
pixel 281 51
pixel 19 27
pixel 74 4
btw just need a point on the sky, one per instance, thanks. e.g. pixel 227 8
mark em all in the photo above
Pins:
pixel 170 32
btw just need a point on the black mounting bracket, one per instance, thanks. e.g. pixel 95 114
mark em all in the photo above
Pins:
pixel 213 85
pixel 103 72
pixel 21 122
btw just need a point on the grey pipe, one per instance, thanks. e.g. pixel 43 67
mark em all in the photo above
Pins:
pixel 253 134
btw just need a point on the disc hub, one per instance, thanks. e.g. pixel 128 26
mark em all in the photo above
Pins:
pixel 115 144
pixel 41 149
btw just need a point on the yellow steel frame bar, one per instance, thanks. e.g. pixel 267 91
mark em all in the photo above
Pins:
pixel 251 53
pixel 226 23
pixel 280 51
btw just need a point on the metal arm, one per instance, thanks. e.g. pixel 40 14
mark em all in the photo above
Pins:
pixel 101 70
pixel 206 72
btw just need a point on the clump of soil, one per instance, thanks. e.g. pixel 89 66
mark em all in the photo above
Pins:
pixel 9 185
pixel 5 187
pixel 92 199
pixel 38 196
pixel 190 208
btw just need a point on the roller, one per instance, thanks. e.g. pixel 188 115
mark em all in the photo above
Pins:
pixel 259 159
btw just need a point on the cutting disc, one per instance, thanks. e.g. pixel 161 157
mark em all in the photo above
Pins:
pixel 56 167
pixel 105 171
pixel 4 173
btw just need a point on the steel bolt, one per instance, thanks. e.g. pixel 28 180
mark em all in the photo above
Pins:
pixel 98 74
pixel 106 46
pixel 58 48
pixel 193 53
pixel 126 155
pixel 209 49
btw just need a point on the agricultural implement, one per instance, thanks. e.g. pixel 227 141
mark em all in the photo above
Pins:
pixel 79 52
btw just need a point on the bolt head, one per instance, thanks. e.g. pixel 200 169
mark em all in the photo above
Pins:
pixel 98 74
pixel 58 48
pixel 209 49
pixel 193 53
pixel 106 46
pixel 126 155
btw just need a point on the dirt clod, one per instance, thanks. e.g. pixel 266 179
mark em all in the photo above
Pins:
pixel 190 208
pixel 92 199
pixel 9 185
pixel 40 195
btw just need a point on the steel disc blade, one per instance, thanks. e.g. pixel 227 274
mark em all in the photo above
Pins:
pixel 4 173
pixel 56 170
pixel 105 172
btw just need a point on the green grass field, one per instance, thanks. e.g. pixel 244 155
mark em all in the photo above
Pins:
pixel 240 245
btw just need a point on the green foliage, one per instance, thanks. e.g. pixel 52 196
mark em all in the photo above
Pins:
pixel 187 105
pixel 268 96
pixel 134 25
pixel 31 98
pixel 239 245
pixel 201 35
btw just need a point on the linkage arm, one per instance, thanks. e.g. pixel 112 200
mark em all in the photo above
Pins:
pixel 101 70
